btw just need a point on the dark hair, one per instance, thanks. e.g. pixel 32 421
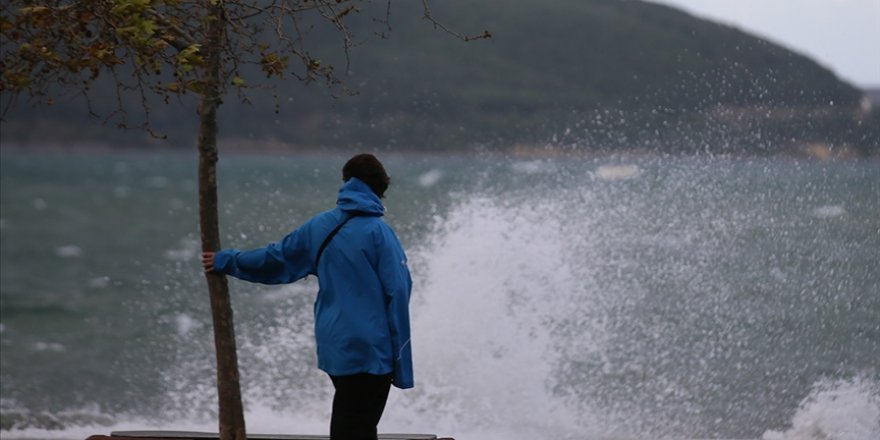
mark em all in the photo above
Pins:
pixel 368 169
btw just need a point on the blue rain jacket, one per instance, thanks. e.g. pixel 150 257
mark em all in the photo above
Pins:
pixel 362 307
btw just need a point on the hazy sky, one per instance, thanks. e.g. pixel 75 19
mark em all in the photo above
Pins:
pixel 842 35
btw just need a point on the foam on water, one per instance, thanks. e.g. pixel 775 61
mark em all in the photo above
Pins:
pixel 69 251
pixel 829 211
pixel 68 424
pixel 617 172
pixel 836 410
pixel 430 178
pixel 185 324
pixel 48 346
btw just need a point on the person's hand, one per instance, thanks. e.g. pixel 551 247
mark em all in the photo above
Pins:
pixel 208 261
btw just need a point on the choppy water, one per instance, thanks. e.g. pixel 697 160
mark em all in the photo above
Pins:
pixel 575 299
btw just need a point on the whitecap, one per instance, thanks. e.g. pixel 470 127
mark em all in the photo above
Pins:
pixel 185 324
pixel 39 204
pixel 430 178
pixel 617 172
pixel 69 251
pixel 829 211
pixel 836 410
pixel 48 346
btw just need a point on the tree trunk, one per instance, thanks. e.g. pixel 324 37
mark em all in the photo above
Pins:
pixel 231 414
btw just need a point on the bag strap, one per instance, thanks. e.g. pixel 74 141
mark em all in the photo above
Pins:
pixel 327 241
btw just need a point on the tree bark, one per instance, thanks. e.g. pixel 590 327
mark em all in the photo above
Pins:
pixel 231 413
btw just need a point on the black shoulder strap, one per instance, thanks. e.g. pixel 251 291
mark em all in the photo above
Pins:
pixel 327 241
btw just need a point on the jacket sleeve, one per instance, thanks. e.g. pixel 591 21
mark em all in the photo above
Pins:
pixel 397 284
pixel 282 262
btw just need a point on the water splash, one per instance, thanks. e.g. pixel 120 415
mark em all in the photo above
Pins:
pixel 617 172
pixel 430 178
pixel 482 324
pixel 836 410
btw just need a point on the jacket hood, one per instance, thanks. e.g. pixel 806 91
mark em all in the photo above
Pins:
pixel 355 195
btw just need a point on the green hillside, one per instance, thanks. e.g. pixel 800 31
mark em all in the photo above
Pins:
pixel 593 74
pixel 593 53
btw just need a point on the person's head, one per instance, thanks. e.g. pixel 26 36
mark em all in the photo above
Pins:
pixel 369 170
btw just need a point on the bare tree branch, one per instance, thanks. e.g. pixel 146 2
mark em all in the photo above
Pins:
pixel 438 25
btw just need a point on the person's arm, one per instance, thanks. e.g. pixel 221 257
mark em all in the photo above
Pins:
pixel 397 283
pixel 282 262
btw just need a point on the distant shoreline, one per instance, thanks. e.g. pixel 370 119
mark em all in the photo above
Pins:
pixel 809 151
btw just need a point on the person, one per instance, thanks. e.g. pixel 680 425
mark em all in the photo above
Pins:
pixel 362 326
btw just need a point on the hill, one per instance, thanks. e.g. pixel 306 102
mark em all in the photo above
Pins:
pixel 587 74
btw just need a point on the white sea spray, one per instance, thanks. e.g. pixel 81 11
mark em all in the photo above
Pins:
pixel 69 251
pixel 430 178
pixel 829 211
pixel 481 325
pixel 836 410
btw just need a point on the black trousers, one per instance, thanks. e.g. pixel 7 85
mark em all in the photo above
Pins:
pixel 358 405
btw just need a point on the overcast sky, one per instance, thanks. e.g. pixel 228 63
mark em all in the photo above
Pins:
pixel 842 35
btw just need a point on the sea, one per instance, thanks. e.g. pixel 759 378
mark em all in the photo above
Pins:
pixel 578 298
